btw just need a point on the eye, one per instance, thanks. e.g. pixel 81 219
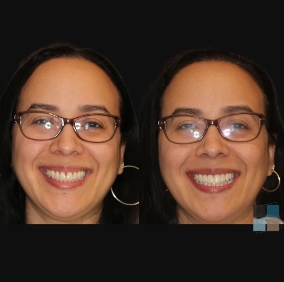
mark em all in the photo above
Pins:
pixel 238 126
pixel 46 122
pixel 186 126
pixel 91 125
pixel 41 121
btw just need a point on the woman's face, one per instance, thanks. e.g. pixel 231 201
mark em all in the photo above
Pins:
pixel 212 90
pixel 68 88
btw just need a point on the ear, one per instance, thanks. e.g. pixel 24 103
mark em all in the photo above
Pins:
pixel 121 164
pixel 271 151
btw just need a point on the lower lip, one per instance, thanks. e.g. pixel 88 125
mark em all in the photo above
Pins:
pixel 210 189
pixel 63 185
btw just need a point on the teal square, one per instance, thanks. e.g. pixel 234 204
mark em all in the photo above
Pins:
pixel 259 224
pixel 272 210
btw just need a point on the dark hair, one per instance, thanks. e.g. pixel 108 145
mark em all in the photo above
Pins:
pixel 12 196
pixel 157 206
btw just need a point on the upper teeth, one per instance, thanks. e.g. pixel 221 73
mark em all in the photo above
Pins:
pixel 66 177
pixel 214 180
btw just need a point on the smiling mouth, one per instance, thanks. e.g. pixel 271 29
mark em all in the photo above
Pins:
pixel 214 180
pixel 66 177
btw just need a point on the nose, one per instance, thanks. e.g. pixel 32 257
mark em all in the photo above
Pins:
pixel 67 142
pixel 212 144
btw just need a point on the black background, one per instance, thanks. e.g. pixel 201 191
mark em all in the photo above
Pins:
pixel 139 39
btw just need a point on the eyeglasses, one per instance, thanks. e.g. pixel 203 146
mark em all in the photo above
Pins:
pixel 39 125
pixel 186 129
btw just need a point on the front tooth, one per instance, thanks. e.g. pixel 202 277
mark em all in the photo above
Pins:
pixel 204 178
pixel 199 177
pixel 69 176
pixel 210 179
pixel 62 176
pixel 75 176
pixel 57 176
pixel 227 176
pixel 217 179
pixel 80 175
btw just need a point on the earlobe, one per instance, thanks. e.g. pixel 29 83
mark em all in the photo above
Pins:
pixel 271 151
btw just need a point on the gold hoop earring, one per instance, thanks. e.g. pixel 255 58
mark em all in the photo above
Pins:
pixel 134 204
pixel 277 185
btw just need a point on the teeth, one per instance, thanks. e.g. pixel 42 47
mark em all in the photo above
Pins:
pixel 214 180
pixel 66 177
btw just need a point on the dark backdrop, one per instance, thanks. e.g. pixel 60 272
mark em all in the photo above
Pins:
pixel 139 43
pixel 139 38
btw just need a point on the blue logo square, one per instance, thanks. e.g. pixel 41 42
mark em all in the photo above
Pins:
pixel 272 210
pixel 259 224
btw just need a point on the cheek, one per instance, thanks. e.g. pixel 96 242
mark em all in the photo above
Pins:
pixel 255 152
pixel 24 149
pixel 163 153
pixel 171 156
pixel 24 155
pixel 21 149
pixel 106 154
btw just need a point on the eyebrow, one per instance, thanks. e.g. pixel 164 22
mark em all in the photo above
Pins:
pixel 83 108
pixel 188 111
pixel 92 108
pixel 225 110
pixel 46 107
pixel 237 109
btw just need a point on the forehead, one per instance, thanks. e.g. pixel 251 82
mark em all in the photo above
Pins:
pixel 69 82
pixel 210 87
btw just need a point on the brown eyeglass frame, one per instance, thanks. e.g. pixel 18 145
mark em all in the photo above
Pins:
pixel 64 121
pixel 162 125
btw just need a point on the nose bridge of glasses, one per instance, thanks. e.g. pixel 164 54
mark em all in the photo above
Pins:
pixel 66 121
pixel 212 122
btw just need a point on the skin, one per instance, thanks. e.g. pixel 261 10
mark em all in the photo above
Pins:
pixel 206 89
pixel 64 86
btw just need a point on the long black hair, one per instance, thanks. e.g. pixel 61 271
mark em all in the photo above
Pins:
pixel 12 196
pixel 157 206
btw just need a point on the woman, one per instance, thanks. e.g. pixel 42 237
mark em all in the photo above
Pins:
pixel 67 128
pixel 212 141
